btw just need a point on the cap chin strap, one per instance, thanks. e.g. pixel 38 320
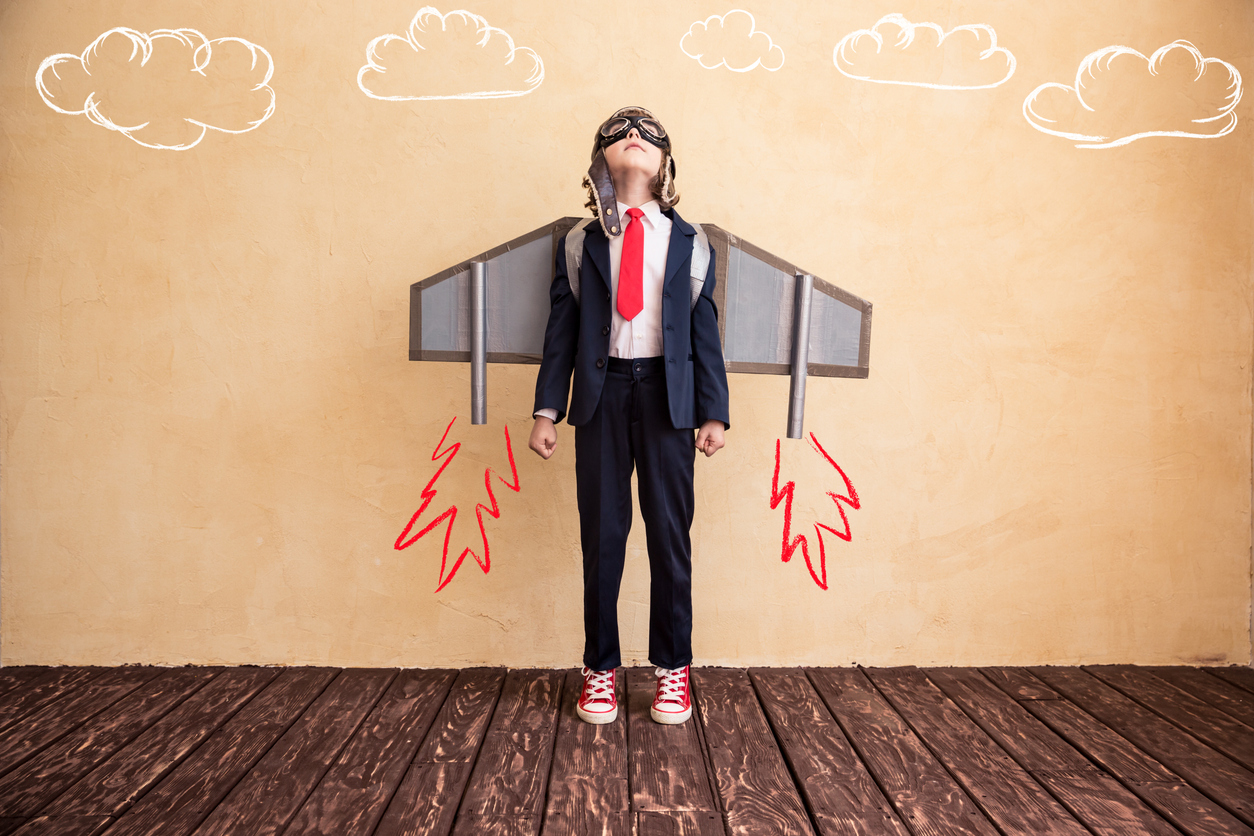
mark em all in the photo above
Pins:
pixel 607 200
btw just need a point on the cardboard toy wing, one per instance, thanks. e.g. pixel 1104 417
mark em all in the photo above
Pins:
pixel 773 317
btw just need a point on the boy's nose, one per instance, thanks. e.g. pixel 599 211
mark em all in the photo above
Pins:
pixel 633 132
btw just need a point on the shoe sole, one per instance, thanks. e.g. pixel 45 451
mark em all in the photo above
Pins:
pixel 669 719
pixel 598 719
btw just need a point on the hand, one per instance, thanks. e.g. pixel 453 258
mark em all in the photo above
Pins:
pixel 709 437
pixel 544 437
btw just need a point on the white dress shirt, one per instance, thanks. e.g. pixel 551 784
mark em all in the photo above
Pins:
pixel 642 336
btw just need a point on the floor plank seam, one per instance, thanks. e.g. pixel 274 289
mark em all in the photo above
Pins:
pixel 470 769
pixel 1136 786
pixel 116 814
pixel 1127 784
pixel 710 777
pixel 953 776
pixel 860 751
pixel 1207 792
pixel 1148 706
pixel 548 781
pixel 334 757
pixel 1232 679
pixel 779 744
pixel 245 772
pixel 156 782
pixel 1032 773
pixel 387 802
pixel 75 725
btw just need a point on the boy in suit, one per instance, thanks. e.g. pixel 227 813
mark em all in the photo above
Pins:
pixel 643 346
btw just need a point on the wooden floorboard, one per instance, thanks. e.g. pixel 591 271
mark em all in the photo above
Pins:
pixel 756 789
pixel 1019 683
pixel 1216 776
pixel 666 764
pixel 1097 800
pixel 1107 750
pixel 1198 717
pixel 927 798
pixel 1007 794
pixel 28 789
pixel 68 711
pixel 18 677
pixel 1236 702
pixel 52 684
pixel 840 793
pixel 588 794
pixel 266 798
pixel 1159 787
pixel 507 786
pixel 679 823
pixel 353 795
pixel 426 802
pixel 64 826
pixel 1241 677
pixel 191 791
pixel 114 785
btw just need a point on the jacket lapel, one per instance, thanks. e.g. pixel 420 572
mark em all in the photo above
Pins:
pixel 679 251
pixel 598 247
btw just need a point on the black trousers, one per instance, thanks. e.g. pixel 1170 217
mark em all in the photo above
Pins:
pixel 632 427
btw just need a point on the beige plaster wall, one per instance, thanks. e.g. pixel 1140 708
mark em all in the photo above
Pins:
pixel 212 436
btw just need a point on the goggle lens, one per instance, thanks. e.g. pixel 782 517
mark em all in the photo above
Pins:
pixel 615 129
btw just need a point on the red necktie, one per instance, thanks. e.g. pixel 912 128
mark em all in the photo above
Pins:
pixel 631 267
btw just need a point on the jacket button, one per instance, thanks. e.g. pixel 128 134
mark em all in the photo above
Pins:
pixel 667 295
pixel 605 330
pixel 670 327
pixel 600 362
pixel 607 297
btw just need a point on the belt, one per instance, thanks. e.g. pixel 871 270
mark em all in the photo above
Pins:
pixel 638 366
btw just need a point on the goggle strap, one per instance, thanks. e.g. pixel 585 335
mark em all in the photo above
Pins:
pixel 606 198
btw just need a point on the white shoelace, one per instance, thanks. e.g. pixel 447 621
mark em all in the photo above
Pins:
pixel 599 685
pixel 671 685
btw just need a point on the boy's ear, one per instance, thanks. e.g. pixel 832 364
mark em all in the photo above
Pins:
pixel 607 200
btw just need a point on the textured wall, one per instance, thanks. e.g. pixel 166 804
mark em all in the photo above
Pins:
pixel 212 436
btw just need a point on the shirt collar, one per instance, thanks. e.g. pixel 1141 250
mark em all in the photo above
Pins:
pixel 652 212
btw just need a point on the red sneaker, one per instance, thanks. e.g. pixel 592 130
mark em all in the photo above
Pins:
pixel 598 702
pixel 673 702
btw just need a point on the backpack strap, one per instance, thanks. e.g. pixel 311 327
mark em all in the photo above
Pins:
pixel 700 263
pixel 700 259
pixel 574 254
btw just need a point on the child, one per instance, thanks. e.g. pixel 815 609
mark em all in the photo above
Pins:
pixel 644 349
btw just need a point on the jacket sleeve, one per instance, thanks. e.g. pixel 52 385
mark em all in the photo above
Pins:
pixel 709 371
pixel 561 339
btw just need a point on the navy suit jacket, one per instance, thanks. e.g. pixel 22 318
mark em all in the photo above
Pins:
pixel 577 338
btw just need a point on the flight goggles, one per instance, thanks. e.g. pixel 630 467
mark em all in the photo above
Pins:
pixel 650 130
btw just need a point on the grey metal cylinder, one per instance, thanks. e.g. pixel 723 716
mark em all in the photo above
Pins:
pixel 800 353
pixel 478 342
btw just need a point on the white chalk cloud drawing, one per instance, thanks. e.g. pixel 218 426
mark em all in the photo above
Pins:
pixel 164 89
pixel 732 41
pixel 1120 96
pixel 458 55
pixel 896 51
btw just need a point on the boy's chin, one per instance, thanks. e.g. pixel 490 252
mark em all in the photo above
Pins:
pixel 621 173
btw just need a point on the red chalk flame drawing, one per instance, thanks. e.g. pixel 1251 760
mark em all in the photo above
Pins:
pixel 790 546
pixel 450 513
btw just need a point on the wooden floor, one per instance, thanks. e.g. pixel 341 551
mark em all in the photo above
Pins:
pixel 242 751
